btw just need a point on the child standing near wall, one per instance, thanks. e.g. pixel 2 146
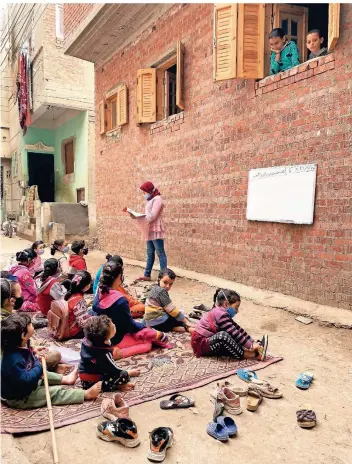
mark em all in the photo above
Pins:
pixel 22 386
pixel 160 312
pixel 218 335
pixel 284 54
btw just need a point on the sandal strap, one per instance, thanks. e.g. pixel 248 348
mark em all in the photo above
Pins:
pixel 306 415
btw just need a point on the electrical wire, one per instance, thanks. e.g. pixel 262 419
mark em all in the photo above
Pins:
pixel 8 32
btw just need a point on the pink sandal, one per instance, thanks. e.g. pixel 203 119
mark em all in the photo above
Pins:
pixel 114 408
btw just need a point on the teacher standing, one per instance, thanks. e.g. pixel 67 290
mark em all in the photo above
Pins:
pixel 156 231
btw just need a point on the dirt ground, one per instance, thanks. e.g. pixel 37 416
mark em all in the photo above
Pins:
pixel 269 436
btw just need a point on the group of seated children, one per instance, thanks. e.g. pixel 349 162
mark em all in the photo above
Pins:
pixel 109 330
pixel 284 53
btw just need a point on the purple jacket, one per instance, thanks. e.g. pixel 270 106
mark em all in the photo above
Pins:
pixel 218 320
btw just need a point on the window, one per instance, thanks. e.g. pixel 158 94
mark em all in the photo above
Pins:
pixel 160 89
pixel 81 194
pixel 241 46
pixel 2 183
pixel 15 164
pixel 8 174
pixel 114 110
pixel 59 20
pixel 69 160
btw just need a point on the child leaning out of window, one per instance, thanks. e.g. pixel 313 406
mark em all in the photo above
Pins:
pixel 284 53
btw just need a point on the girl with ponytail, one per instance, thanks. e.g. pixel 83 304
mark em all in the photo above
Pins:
pixel 48 285
pixel 131 336
pixel 77 306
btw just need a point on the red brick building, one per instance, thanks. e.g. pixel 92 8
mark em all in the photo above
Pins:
pixel 197 135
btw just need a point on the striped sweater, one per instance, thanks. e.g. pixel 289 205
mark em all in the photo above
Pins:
pixel 218 320
pixel 159 307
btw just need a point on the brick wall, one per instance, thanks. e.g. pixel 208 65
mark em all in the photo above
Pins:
pixel 200 164
pixel 74 14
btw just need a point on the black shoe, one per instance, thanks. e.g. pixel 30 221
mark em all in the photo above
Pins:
pixel 161 439
pixel 122 430
pixel 264 343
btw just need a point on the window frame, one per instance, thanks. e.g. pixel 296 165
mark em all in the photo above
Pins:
pixel 59 21
pixel 64 143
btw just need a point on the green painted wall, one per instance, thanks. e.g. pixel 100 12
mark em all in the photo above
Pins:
pixel 65 186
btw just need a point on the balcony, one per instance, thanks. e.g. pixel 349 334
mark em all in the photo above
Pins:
pixel 111 27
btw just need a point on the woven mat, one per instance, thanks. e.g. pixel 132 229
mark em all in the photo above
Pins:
pixel 163 372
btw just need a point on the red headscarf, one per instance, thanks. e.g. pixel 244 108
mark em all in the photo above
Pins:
pixel 148 187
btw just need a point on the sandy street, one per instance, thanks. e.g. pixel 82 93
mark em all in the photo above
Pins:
pixel 269 436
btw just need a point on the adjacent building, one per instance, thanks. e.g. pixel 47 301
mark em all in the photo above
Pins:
pixel 47 114
pixel 183 98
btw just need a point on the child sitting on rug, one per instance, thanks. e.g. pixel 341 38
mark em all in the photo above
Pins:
pixel 36 265
pixel 131 336
pixel 97 362
pixel 77 262
pixel 21 271
pixel 11 294
pixel 22 386
pixel 160 312
pixel 217 334
pixel 136 307
pixel 48 286
pixel 59 249
pixel 77 306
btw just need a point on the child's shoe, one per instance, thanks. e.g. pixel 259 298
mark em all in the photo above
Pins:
pixel 263 348
pixel 122 430
pixel 114 408
pixel 161 439
pixel 230 400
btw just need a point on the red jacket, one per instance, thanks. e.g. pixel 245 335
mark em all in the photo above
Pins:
pixel 48 291
pixel 76 263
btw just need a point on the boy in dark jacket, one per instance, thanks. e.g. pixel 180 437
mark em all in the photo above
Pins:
pixel 97 362
pixel 22 386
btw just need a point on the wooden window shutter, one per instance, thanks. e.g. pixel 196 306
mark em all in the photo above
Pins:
pixel 250 40
pixel 122 105
pixel 334 25
pixel 180 76
pixel 146 95
pixel 224 41
pixel 102 115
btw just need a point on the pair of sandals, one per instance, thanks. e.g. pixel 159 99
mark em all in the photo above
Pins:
pixel 222 428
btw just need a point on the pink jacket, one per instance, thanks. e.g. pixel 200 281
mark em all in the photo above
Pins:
pixel 26 281
pixel 35 266
pixel 154 212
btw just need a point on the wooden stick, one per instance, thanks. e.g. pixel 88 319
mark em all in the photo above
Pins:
pixel 50 410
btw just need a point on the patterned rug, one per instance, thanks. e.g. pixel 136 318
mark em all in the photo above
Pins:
pixel 163 372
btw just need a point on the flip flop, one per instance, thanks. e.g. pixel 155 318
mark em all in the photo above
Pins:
pixel 217 431
pixel 228 424
pixel 304 380
pixel 202 307
pixel 196 315
pixel 254 399
pixel 248 376
pixel 177 401
pixel 306 417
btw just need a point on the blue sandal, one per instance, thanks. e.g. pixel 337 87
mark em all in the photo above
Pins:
pixel 304 380
pixel 248 376
pixel 228 424
pixel 217 431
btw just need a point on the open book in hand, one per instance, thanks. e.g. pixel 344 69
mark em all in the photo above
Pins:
pixel 137 215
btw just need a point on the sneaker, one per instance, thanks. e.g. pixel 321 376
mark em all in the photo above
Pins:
pixel 114 408
pixel 230 400
pixel 161 439
pixel 122 430
pixel 264 347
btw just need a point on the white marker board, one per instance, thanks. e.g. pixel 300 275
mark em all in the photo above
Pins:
pixel 282 194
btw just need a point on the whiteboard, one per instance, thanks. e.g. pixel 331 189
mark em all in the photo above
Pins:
pixel 282 194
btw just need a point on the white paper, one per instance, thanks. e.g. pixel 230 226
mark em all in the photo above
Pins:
pixel 137 215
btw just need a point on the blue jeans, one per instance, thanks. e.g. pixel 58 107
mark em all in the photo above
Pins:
pixel 152 247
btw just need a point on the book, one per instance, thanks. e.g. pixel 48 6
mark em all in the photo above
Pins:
pixel 136 215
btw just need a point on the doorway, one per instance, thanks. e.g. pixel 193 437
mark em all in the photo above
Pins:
pixel 41 173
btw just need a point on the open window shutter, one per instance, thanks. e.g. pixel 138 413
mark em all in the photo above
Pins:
pixel 122 106
pixel 225 26
pixel 102 114
pixel 146 95
pixel 250 40
pixel 180 76
pixel 334 25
